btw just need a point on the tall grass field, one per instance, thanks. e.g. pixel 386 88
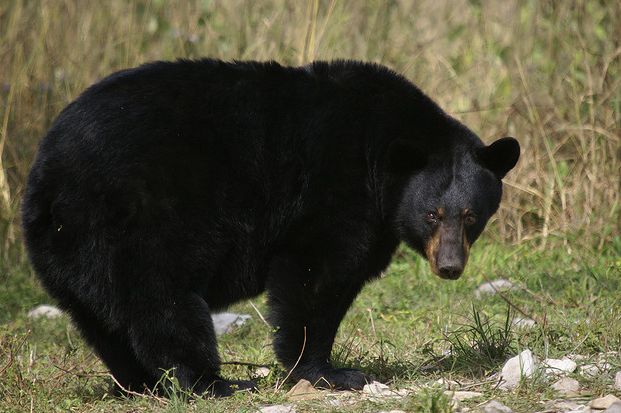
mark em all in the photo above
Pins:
pixel 545 72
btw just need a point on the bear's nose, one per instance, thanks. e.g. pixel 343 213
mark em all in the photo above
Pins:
pixel 450 272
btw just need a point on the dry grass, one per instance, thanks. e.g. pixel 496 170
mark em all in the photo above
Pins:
pixel 548 73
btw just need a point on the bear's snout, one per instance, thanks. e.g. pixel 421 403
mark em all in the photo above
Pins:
pixel 447 252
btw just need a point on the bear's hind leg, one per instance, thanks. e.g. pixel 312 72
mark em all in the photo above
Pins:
pixel 176 333
pixel 114 351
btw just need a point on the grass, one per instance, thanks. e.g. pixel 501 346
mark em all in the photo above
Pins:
pixel 548 73
pixel 398 329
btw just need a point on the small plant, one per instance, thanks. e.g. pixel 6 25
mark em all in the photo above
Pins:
pixel 480 345
pixel 430 400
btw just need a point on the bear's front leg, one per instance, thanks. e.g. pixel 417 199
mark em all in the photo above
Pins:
pixel 307 304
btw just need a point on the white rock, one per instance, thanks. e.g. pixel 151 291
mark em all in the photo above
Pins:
pixel 566 406
pixel 618 381
pixel 559 366
pixel 278 408
pixel 225 322
pixel 447 384
pixel 377 389
pixel 595 369
pixel 493 287
pixel 262 372
pixel 523 322
pixel 614 408
pixel 495 407
pixel 44 310
pixel 463 395
pixel 522 365
pixel 604 402
pixel 567 386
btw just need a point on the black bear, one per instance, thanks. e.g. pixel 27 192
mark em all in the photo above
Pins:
pixel 172 190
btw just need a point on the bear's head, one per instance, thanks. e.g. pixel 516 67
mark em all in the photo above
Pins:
pixel 448 198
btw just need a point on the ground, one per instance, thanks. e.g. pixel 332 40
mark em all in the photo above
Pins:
pixel 405 328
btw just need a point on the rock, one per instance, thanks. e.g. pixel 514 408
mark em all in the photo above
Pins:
pixel 522 365
pixel 278 408
pixel 492 287
pixel 447 384
pixel 567 386
pixel 566 406
pixel 44 310
pixel 603 402
pixel 303 390
pixel 392 411
pixel 618 381
pixel 463 395
pixel 225 322
pixel 614 408
pixel 377 389
pixel 495 407
pixel 595 369
pixel 262 372
pixel 559 367
pixel 523 322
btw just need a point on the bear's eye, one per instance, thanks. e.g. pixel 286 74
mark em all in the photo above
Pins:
pixel 432 217
pixel 470 219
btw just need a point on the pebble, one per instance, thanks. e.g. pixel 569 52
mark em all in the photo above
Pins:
pixel 523 322
pixel 44 310
pixel 567 386
pixel 463 395
pixel 492 287
pixel 262 372
pixel 595 369
pixel 522 365
pixel 618 381
pixel 494 406
pixel 303 390
pixel 377 389
pixel 447 384
pixel 278 408
pixel 604 402
pixel 225 322
pixel 559 367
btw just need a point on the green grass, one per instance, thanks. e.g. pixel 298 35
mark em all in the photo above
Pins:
pixel 548 73
pixel 398 330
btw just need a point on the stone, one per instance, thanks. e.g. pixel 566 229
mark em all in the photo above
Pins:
pixel 523 322
pixel 565 406
pixel 603 403
pixel 556 367
pixel 447 384
pixel 278 408
pixel 614 408
pixel 44 310
pixel 595 369
pixel 262 372
pixel 522 365
pixel 492 287
pixel 377 389
pixel 494 406
pixel 618 381
pixel 463 395
pixel 303 390
pixel 567 386
pixel 225 322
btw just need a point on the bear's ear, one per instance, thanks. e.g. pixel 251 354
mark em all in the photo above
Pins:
pixel 405 157
pixel 500 157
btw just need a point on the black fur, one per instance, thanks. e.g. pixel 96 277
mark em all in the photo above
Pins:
pixel 172 190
